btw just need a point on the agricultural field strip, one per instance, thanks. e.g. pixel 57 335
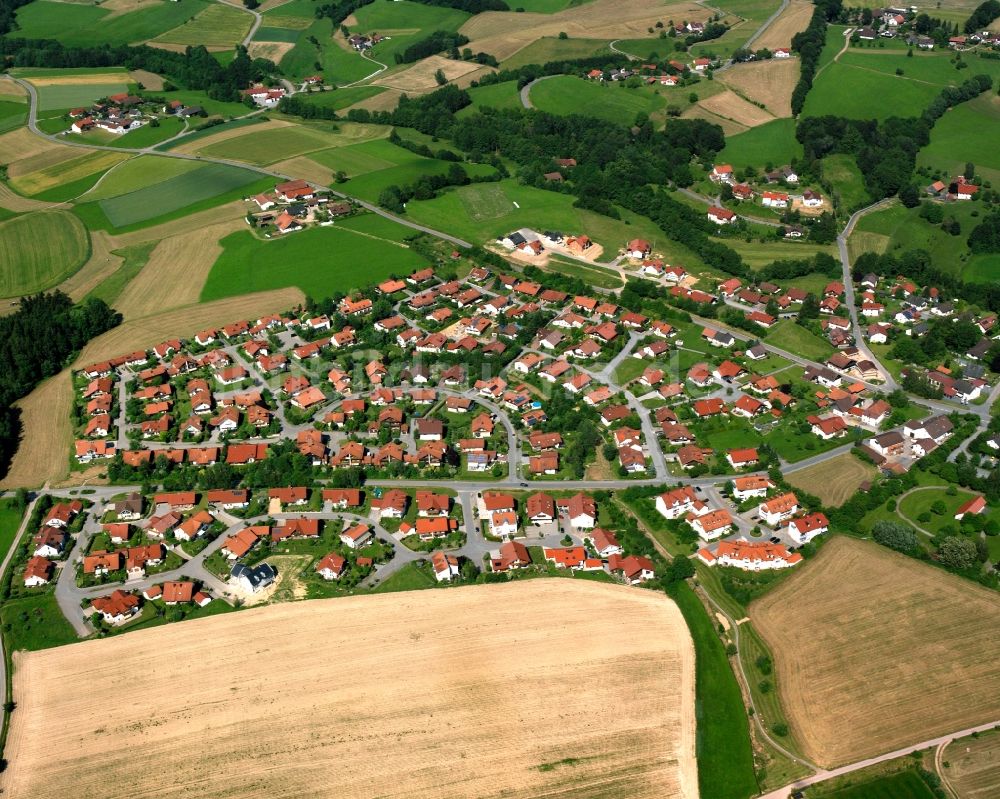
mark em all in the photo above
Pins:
pixel 32 120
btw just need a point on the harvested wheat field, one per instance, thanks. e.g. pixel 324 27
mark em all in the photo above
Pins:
pixel 420 77
pixel 84 79
pixel 768 82
pixel 10 89
pixel 975 766
pixel 730 105
pixel 729 127
pixel 101 264
pixel 503 33
pixel 875 651
pixel 185 322
pixel 794 19
pixel 273 51
pixel 43 454
pixel 383 101
pixel 15 202
pixel 176 271
pixel 150 80
pixel 834 480
pixel 22 143
pixel 420 694
pixel 305 168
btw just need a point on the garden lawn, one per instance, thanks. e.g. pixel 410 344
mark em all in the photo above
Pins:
pixel 794 338
pixel 919 502
pixel 339 260
pixel 175 193
pixel 34 622
pixel 409 578
pixel 771 143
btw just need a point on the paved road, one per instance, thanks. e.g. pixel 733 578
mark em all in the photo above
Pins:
pixel 845 262
pixel 825 774
pixel 33 127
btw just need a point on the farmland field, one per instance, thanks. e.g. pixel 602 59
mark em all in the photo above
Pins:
pixel 793 19
pixel 53 96
pixel 566 94
pixel 341 98
pixel 265 146
pixel 851 92
pixel 495 95
pixel 79 24
pixel 767 82
pixel 217 25
pixel 145 170
pixel 552 48
pixel 771 143
pixel 975 766
pixel 834 480
pixel 874 650
pixel 335 259
pixel 906 784
pixel 13 114
pixel 436 732
pixel 74 168
pixel 40 250
pixel 174 193
pixel 45 419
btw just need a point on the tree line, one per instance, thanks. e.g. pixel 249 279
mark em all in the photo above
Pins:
pixel 809 45
pixel 984 14
pixel 195 68
pixel 35 343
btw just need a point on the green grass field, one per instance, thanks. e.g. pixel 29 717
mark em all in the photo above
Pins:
pixel 339 260
pixel 137 173
pixel 834 41
pixel 794 338
pixel 10 519
pixel 269 146
pixel 374 165
pixel 551 48
pixel 77 24
pixel 848 185
pixel 34 622
pixel 147 135
pixel 919 502
pixel 174 193
pixel 761 253
pixel 938 66
pixel 12 114
pixel 964 134
pixel 404 23
pixel 567 94
pixel 772 143
pixel 267 34
pixel 858 93
pixel 217 25
pixel 722 745
pixel 337 65
pixel 901 785
pixel 341 98
pixel 409 578
pixel 40 250
pixel 496 95
pixel 899 229
pixel 70 95
pixel 591 275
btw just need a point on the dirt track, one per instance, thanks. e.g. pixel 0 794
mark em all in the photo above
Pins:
pixel 556 688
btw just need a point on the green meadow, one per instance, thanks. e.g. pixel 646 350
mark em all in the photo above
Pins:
pixel 339 260
pixel 771 143
pixel 76 24
pixel 859 93
pixel 566 94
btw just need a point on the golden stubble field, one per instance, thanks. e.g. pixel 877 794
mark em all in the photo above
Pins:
pixel 503 33
pixel 556 688
pixel 768 82
pixel 794 19
pixel 876 651
pixel 834 480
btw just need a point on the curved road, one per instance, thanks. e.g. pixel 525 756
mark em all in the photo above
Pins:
pixel 33 127
pixel 526 89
